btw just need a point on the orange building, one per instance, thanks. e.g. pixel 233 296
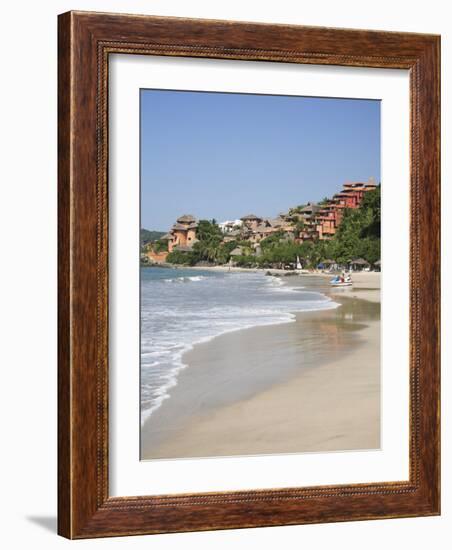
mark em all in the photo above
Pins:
pixel 183 233
pixel 156 257
pixel 327 221
pixel 330 216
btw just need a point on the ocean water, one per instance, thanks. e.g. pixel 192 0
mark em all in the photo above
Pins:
pixel 184 307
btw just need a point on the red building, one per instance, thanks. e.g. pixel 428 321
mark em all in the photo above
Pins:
pixel 330 216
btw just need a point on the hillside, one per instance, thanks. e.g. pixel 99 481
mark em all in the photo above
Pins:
pixel 147 236
pixel 357 237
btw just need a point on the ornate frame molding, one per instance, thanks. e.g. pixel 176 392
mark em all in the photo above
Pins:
pixel 85 42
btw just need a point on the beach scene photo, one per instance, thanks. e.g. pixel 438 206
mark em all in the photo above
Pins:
pixel 260 269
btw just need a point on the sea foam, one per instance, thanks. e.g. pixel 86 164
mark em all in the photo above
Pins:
pixel 176 317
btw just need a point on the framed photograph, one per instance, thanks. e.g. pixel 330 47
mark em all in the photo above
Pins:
pixel 248 275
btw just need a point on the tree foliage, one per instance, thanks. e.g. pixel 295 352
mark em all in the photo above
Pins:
pixel 160 246
pixel 180 257
pixel 358 236
pixel 147 236
pixel 208 248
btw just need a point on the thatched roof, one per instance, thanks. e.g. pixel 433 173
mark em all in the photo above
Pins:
pixel 184 227
pixel 263 229
pixel 179 227
pixel 274 222
pixel 166 237
pixel 251 217
pixel 359 261
pixel 378 262
pixel 237 251
pixel 310 209
pixel 186 218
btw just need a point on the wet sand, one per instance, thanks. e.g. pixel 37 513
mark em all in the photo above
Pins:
pixel 311 385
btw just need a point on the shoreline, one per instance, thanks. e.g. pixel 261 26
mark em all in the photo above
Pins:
pixel 233 377
pixel 221 268
pixel 273 270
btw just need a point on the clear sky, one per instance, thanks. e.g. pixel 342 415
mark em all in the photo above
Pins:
pixel 218 155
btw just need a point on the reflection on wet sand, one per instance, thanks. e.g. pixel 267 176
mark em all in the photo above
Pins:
pixel 311 385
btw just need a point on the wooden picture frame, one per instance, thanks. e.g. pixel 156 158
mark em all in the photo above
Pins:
pixel 86 40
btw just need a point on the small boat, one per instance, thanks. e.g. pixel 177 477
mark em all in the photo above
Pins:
pixel 341 281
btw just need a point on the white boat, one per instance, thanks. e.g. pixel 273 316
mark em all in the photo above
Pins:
pixel 337 282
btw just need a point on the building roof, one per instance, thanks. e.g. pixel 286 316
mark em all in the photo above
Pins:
pixel 186 218
pixel 274 222
pixel 251 217
pixel 360 261
pixel 182 227
pixel 166 237
pixel 354 184
pixel 263 229
pixel 237 251
pixel 179 227
pixel 310 209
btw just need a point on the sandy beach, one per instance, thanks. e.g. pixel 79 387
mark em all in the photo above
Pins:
pixel 307 386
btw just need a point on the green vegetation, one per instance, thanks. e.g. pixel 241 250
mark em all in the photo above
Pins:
pixel 299 226
pixel 297 209
pixel 179 257
pixel 208 248
pixel 160 246
pixel 147 236
pixel 358 236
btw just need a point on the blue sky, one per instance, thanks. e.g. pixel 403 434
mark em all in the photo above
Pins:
pixel 218 155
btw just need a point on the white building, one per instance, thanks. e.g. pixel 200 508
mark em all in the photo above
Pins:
pixel 230 225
